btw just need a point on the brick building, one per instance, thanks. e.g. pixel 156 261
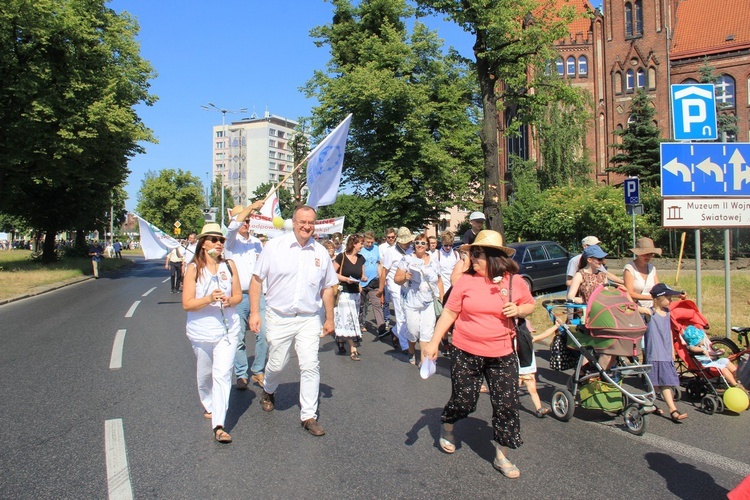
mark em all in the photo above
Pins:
pixel 649 44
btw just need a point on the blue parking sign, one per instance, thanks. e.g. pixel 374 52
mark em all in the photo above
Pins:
pixel 632 188
pixel 694 112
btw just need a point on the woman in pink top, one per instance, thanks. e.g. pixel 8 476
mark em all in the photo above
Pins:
pixel 482 312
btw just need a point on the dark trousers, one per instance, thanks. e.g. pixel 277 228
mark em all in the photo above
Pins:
pixel 501 374
pixel 175 269
pixel 371 294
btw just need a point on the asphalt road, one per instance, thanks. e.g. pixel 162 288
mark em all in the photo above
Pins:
pixel 74 425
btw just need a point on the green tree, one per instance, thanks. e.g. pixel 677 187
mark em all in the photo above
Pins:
pixel 412 140
pixel 70 74
pixel 524 201
pixel 170 196
pixel 362 214
pixel 513 42
pixel 726 120
pixel 638 153
pixel 286 202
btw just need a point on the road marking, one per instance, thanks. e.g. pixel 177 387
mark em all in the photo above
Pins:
pixel 146 294
pixel 118 474
pixel 166 280
pixel 130 312
pixel 670 446
pixel 115 361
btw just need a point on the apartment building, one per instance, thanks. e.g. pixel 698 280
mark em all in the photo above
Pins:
pixel 253 151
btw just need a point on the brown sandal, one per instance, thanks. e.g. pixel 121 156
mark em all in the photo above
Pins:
pixel 355 356
pixel 221 435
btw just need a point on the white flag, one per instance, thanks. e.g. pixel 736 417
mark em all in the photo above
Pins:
pixel 324 166
pixel 271 208
pixel 155 243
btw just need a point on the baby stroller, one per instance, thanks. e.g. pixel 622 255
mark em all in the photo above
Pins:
pixel 600 389
pixel 700 382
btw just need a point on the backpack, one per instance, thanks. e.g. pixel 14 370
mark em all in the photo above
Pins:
pixel 611 315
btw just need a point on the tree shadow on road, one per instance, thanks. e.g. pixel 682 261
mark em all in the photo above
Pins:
pixel 684 480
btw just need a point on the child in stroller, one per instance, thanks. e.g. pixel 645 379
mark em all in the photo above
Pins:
pixel 700 347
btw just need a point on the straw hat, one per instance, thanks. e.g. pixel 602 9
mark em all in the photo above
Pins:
pixel 404 236
pixel 211 229
pixel 490 239
pixel 644 246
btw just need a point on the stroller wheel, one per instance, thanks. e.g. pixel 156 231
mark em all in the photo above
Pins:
pixel 562 404
pixel 711 404
pixel 635 421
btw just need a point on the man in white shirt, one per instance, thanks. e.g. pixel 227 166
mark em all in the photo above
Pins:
pixel 189 254
pixel 390 240
pixel 447 257
pixel 403 246
pixel 574 261
pixel 300 277
pixel 243 248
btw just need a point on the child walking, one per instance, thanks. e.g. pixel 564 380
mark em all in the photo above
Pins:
pixel 660 350
pixel 527 374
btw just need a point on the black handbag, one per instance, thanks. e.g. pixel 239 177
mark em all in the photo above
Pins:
pixel 524 345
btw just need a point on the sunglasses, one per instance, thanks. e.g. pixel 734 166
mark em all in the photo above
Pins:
pixel 247 221
pixel 390 237
pixel 216 239
pixel 420 243
pixel 476 253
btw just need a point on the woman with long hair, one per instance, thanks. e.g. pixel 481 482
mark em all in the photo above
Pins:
pixel 482 308
pixel 350 268
pixel 211 291
pixel 419 276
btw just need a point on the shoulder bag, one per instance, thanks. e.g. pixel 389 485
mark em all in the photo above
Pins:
pixel 524 345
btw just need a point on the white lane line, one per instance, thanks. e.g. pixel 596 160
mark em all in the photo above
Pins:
pixel 166 280
pixel 146 294
pixel 115 361
pixel 118 474
pixel 670 446
pixel 131 311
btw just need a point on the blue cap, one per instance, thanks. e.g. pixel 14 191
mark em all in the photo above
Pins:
pixel 594 251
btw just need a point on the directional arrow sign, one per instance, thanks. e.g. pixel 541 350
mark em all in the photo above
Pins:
pixel 705 169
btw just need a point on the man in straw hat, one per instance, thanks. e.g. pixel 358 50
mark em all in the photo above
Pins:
pixel 243 248
pixel 299 275
pixel 403 246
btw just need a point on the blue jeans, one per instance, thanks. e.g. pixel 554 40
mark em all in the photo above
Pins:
pixel 261 346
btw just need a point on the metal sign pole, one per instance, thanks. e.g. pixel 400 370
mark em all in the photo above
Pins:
pixel 633 228
pixel 727 287
pixel 698 294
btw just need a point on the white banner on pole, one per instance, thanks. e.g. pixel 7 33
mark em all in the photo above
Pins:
pixel 155 243
pixel 262 224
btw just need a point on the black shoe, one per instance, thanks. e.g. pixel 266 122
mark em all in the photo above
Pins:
pixel 395 342
pixel 382 333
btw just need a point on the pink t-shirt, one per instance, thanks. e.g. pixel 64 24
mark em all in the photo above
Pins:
pixel 481 328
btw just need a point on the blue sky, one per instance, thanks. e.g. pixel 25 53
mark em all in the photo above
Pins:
pixel 252 54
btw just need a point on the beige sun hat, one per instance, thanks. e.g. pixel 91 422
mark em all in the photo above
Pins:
pixel 491 239
pixel 644 246
pixel 404 236
pixel 211 229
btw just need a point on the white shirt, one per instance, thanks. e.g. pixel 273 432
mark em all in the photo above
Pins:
pixel 422 288
pixel 213 322
pixel 190 253
pixel 296 275
pixel 447 262
pixel 243 251
pixel 391 256
pixel 384 248
pixel 573 265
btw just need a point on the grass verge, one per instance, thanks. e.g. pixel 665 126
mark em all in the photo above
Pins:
pixel 20 275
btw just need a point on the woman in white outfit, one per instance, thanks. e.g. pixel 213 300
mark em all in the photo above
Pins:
pixel 639 275
pixel 419 276
pixel 211 291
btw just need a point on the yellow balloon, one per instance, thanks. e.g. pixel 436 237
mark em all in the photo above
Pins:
pixel 736 400
pixel 278 222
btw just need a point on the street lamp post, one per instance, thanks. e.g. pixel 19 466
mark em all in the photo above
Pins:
pixel 212 107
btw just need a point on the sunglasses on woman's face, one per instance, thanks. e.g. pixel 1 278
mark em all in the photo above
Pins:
pixel 420 243
pixel 476 253
pixel 217 239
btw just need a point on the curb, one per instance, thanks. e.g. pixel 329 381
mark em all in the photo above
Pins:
pixel 48 288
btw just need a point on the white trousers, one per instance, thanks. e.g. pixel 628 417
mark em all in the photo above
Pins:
pixel 215 362
pixel 420 323
pixel 400 313
pixel 304 333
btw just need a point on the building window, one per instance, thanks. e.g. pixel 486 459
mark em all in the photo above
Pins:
pixel 272 177
pixel 271 165
pixel 560 67
pixel 219 144
pixel 638 18
pixel 628 19
pixel 289 158
pixel 629 80
pixel 271 154
pixel 281 134
pixel 219 134
pixel 219 166
pixel 583 66
pixel 641 78
pixel 689 81
pixel 219 156
pixel 271 143
pixel 652 78
pixel 571 66
pixel 271 131
pixel 617 82
pixel 724 88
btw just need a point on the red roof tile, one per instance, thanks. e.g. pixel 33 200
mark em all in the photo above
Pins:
pixel 708 27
